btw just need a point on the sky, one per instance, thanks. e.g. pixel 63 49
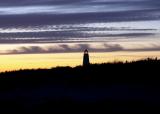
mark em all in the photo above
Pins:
pixel 47 28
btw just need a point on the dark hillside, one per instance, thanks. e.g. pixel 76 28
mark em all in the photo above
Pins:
pixel 130 87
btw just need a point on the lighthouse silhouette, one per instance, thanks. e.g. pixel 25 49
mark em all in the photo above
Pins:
pixel 86 58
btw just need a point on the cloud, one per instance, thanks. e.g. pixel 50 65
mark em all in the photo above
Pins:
pixel 78 2
pixel 38 2
pixel 32 16
pixel 151 47
pixel 69 37
pixel 77 18
pixel 71 33
pixel 64 48
pixel 39 12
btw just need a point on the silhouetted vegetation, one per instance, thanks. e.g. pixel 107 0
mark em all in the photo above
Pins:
pixel 129 87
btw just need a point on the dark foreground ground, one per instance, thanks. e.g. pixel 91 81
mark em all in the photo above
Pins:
pixel 117 87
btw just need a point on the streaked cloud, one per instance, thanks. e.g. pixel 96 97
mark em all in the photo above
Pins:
pixel 93 32
pixel 92 47
pixel 64 48
pixel 80 21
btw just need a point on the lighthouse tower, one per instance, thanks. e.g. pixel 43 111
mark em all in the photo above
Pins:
pixel 86 58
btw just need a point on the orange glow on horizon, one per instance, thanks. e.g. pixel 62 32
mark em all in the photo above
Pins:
pixel 35 61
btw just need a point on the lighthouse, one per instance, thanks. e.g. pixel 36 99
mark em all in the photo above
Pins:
pixel 86 58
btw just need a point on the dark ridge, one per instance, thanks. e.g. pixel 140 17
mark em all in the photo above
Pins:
pixel 129 87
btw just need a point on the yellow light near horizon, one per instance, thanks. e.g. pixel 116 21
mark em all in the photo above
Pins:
pixel 34 61
pixel 30 61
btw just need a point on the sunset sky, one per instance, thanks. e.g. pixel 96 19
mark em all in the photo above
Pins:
pixel 49 33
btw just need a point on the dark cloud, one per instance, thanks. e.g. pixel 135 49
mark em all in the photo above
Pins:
pixel 152 47
pixel 64 48
pixel 79 2
pixel 65 36
pixel 38 2
pixel 37 13
pixel 76 18
pixel 139 11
